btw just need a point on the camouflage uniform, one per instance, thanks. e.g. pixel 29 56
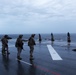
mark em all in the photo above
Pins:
pixel 19 46
pixel 4 41
pixel 31 43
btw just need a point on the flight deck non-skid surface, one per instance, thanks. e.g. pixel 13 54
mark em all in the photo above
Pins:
pixel 43 63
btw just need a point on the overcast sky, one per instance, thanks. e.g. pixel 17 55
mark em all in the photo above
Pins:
pixel 37 16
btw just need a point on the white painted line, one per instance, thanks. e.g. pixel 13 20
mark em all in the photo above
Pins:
pixel 53 53
pixel 24 62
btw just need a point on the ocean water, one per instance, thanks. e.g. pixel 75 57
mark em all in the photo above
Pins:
pixel 60 39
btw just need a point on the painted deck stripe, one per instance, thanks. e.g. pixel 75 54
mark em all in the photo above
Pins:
pixel 24 62
pixel 53 53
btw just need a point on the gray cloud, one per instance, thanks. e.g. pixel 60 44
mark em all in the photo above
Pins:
pixel 36 13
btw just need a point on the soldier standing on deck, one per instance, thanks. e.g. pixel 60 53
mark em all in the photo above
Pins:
pixel 68 38
pixel 40 39
pixel 52 38
pixel 31 43
pixel 19 45
pixel 4 41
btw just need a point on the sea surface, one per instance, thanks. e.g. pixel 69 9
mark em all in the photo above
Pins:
pixel 60 39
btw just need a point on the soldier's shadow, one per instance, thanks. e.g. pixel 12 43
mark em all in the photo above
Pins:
pixel 32 69
pixel 5 61
pixel 20 69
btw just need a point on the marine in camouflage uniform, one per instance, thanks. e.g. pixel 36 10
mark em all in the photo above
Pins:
pixel 31 43
pixel 4 41
pixel 19 45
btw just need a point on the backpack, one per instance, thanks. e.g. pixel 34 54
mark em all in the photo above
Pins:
pixel 30 42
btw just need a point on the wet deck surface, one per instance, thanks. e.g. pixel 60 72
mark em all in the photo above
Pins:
pixel 43 64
